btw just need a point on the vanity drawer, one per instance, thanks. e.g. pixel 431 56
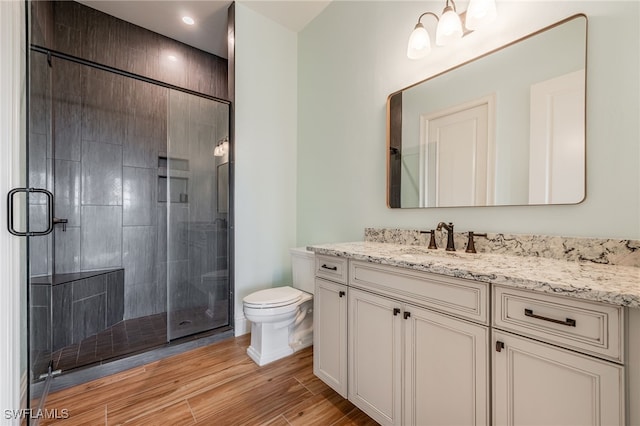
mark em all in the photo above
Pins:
pixel 590 327
pixel 332 268
pixel 462 298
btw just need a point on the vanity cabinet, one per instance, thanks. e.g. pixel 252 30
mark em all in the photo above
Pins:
pixel 330 324
pixel 409 364
pixel 416 348
pixel 556 360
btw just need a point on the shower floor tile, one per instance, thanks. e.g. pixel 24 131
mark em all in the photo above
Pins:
pixel 123 338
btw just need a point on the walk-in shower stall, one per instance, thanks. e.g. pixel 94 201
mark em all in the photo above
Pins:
pixel 133 180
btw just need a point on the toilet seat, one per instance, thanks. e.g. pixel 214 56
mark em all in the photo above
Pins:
pixel 273 298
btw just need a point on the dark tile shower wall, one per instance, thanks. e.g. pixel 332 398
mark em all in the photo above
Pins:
pixel 78 30
pixel 40 162
pixel 40 339
pixel 108 132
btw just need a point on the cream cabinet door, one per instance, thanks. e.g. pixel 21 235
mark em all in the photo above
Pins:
pixel 446 370
pixel 375 356
pixel 330 335
pixel 539 384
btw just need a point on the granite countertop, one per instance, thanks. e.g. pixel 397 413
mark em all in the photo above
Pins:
pixel 618 285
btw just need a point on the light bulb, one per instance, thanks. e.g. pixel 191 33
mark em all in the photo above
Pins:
pixel 419 43
pixel 188 20
pixel 221 148
pixel 480 13
pixel 449 28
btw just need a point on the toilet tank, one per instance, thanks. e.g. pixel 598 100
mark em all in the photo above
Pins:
pixel 303 269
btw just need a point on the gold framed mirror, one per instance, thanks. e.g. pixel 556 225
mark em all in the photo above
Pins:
pixel 506 128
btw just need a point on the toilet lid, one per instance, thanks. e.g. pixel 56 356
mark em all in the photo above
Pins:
pixel 273 297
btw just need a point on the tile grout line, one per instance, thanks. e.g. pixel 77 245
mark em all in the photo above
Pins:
pixel 191 411
pixel 284 418
pixel 303 385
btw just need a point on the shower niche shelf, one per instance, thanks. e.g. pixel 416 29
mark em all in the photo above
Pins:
pixel 172 163
pixel 173 189
pixel 173 179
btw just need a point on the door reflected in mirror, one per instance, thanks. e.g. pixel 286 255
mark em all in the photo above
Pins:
pixel 507 128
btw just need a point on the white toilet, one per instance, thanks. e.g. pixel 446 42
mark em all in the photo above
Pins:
pixel 282 317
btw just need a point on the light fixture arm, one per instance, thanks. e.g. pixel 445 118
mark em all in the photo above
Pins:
pixel 428 13
pixel 454 5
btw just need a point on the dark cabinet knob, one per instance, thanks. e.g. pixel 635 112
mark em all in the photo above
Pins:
pixel 341 293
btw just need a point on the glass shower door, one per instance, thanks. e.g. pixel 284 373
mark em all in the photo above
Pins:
pixel 136 175
pixel 94 144
pixel 194 188
pixel 40 247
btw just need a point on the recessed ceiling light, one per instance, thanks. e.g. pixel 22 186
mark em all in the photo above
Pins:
pixel 188 20
pixel 172 58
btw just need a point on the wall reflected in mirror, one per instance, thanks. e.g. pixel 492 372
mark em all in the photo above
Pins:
pixel 507 128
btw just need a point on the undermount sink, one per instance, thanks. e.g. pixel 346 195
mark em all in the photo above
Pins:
pixel 423 251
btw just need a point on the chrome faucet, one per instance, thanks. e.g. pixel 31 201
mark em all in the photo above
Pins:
pixel 450 244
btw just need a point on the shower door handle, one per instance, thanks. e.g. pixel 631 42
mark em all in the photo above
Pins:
pixel 10 221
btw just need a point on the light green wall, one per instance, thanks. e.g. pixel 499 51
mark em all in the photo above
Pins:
pixel 265 148
pixel 352 56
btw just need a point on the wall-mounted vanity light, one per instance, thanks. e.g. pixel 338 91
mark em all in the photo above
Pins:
pixel 450 28
pixel 222 147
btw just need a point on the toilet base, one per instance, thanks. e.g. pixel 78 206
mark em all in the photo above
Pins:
pixel 269 342
pixel 261 358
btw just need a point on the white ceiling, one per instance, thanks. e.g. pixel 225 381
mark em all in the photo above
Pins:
pixel 292 14
pixel 209 33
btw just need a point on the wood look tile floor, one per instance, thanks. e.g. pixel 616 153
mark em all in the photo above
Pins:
pixel 214 385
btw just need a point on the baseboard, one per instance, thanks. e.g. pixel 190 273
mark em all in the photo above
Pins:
pixel 242 326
